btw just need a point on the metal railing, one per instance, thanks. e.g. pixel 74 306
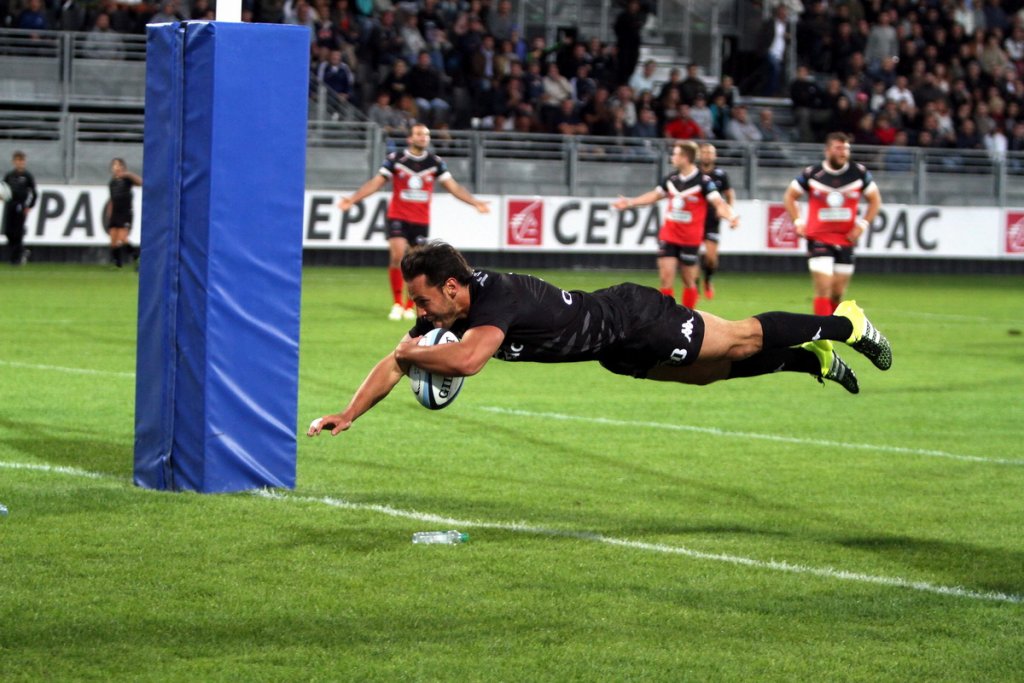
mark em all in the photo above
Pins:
pixel 77 148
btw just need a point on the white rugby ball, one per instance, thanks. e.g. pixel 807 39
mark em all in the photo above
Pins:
pixel 435 391
pixel 5 192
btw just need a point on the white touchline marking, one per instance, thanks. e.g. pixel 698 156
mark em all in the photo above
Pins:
pixel 57 469
pixel 714 431
pixel 522 527
pixel 73 371
pixel 775 565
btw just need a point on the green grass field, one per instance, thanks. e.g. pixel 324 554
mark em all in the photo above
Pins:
pixel 767 529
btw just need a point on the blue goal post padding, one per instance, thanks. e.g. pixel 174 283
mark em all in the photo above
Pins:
pixel 221 267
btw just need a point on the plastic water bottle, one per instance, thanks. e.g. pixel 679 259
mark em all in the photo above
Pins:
pixel 3 510
pixel 446 537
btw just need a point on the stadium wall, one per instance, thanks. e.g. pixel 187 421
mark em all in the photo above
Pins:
pixel 567 232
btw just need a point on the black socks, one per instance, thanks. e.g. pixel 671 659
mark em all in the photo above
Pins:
pixel 789 329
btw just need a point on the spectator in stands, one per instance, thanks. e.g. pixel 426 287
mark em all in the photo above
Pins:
pixel 898 158
pixel 844 118
pixel 674 82
pixel 567 120
pixel 385 43
pixel 885 132
pixel 605 67
pixel 426 86
pixel 300 14
pixel 413 42
pixel 390 120
pixel 683 127
pixel 583 86
pixel 993 57
pixel 883 41
pixel 814 36
pixel 995 17
pixel 557 90
pixel 33 17
pixel 501 23
pixel 624 100
pixel 996 143
pixel 773 43
pixel 668 108
pixel 844 43
pixel 967 136
pixel 628 26
pixel 599 114
pixel 701 113
pixel 336 75
pixel 102 42
pixel 646 125
pixel 643 79
pixel 397 82
pixel 168 12
pixel 740 127
pixel 429 18
pixel 693 85
pixel 810 109
pixel 719 113
pixel 900 92
pixel 770 131
pixel 69 16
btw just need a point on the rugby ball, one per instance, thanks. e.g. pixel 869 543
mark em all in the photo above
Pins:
pixel 434 391
pixel 5 192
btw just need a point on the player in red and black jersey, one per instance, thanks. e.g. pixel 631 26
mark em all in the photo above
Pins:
pixel 629 329
pixel 834 189
pixel 118 214
pixel 709 259
pixel 691 194
pixel 413 174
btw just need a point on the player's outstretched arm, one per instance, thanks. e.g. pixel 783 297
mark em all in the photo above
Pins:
pixel 641 200
pixel 378 384
pixel 462 194
pixel 726 211
pixel 369 187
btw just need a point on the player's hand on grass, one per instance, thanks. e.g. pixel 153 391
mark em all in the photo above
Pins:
pixel 336 423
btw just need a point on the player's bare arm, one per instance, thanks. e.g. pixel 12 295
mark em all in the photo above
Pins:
pixel 462 194
pixel 641 200
pixel 789 200
pixel 135 178
pixel 378 384
pixel 372 185
pixel 478 346
pixel 874 197
pixel 725 211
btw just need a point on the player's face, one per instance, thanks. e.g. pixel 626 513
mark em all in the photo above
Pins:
pixel 680 160
pixel 837 153
pixel 19 163
pixel 707 157
pixel 434 302
pixel 116 169
pixel 419 139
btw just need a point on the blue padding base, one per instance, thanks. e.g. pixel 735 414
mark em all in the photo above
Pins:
pixel 220 277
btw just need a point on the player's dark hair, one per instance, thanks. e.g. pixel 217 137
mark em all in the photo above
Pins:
pixel 836 137
pixel 438 261
pixel 18 155
pixel 119 160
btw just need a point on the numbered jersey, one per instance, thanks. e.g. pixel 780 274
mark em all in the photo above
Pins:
pixel 687 208
pixel 412 184
pixel 832 199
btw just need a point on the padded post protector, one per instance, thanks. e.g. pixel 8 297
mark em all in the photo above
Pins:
pixel 220 278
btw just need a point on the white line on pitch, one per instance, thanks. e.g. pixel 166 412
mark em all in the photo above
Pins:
pixel 71 371
pixel 774 565
pixel 521 527
pixel 714 431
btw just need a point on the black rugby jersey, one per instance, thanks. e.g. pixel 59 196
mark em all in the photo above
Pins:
pixel 723 183
pixel 23 188
pixel 121 195
pixel 541 322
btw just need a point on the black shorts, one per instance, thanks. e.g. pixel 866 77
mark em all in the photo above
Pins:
pixel 711 224
pixel 686 255
pixel 659 332
pixel 843 255
pixel 414 233
pixel 121 220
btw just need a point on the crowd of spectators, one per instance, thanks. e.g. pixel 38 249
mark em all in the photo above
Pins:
pixel 943 74
pixel 931 73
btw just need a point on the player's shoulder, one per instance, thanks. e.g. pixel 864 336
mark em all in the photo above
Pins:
pixel 861 169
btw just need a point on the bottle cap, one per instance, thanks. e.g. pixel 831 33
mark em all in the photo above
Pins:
pixel 463 537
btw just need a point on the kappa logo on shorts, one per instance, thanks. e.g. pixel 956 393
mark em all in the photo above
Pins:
pixel 687 330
